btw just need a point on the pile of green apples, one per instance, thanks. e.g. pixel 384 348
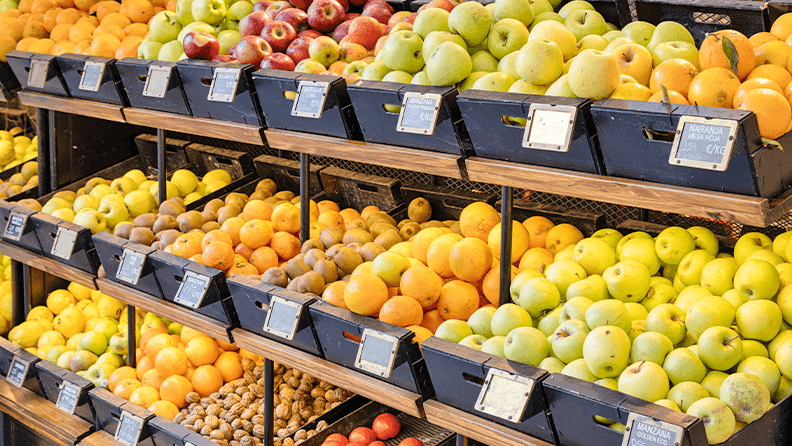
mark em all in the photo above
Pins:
pixel 668 319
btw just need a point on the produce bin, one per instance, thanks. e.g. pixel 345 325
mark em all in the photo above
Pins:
pixel 359 190
pixel 447 204
pixel 587 221
pixel 135 76
pixel 9 82
pixel 286 173
pixel 101 81
pixel 80 254
pixel 52 379
pixel 51 81
pixel 111 251
pixel 7 351
pixel 23 231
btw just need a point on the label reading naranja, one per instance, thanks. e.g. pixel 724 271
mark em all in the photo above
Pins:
pixel 703 143
pixel 419 113
pixel 192 290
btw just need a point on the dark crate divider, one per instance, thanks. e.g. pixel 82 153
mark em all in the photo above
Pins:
pixel 447 204
pixel 336 414
pixel 29 239
pixel 458 373
pixel 7 352
pixel 134 74
pixel 334 324
pixel 206 158
pixel 286 173
pixel 110 249
pixel 777 8
pixel 492 138
pixel 196 76
pixel 587 222
pixel 110 89
pixel 107 408
pixel 338 116
pixel 31 378
pixel 753 169
pixel 8 80
pixel 175 152
pixel 83 257
pixel 52 377
pixel 379 126
pixel 163 432
pixel 359 190
pixel 19 62
pixel 747 17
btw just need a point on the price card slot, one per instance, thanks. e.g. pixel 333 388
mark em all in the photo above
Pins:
pixel 157 81
pixel 192 290
pixel 703 143
pixel 129 429
pixel 283 317
pixel 377 353
pixel 224 84
pixel 63 246
pixel 132 263
pixel 68 398
pixel 37 77
pixel 310 100
pixel 549 127
pixel 419 113
pixel 15 226
pixel 645 431
pixel 18 371
pixel 505 395
pixel 91 79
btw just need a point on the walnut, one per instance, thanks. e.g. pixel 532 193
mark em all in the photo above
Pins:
pixel 237 409
pixel 334 404
pixel 227 389
pixel 226 429
pixel 241 390
pixel 257 420
pixel 306 413
pixel 300 435
pixel 200 412
pixel 259 370
pixel 247 414
pixel 240 434
pixel 206 402
pixel 256 390
pixel 294 382
pixel 215 396
pixel 289 373
pixel 220 442
pixel 311 418
pixel 247 441
pixel 193 397
pixel 217 435
pixel 311 433
pixel 282 433
pixel 341 394
pixel 259 431
pixel 213 410
pixel 279 424
pixel 205 431
pixel 212 421
pixel 329 395
pixel 249 378
pixel 223 415
pixel 237 424
pixel 247 426
pixel 277 442
pixel 282 411
pixel 254 407
pixel 248 364
pixel 288 442
pixel 199 425
pixel 192 419
pixel 179 418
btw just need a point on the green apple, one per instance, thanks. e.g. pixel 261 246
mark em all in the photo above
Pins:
pixel 720 348
pixel 635 61
pixel 568 339
pixel 431 20
pixel 558 33
pixel 171 51
pixel 782 338
pixel 99 373
pixel 719 422
pixel 713 381
pixel 780 243
pixel 228 38
pixel 149 49
pixel 564 273
pixel 668 404
pixel 472 21
pixel 514 9
pixel 686 393
pixel 610 235
pixel 123 186
pixel 473 341
pixel 746 395
pixel 642 250
pixel 543 16
pixel 759 320
pixel 550 322
pixel 80 203
pixel 763 368
pixel 689 270
pixel 540 7
pixel 683 365
pixel 748 243
pixel 757 279
pixel 506 36
pixel 208 11
pixel 717 276
pixel 669 32
pixel 184 12
pixel 669 320
pixel 375 71
pixel 594 74
pixel 637 328
pixel 448 64
pixel 238 10
pixel 709 312
pixel 673 244
pixel 628 281
pixel 610 36
pixel 628 237
pixel 640 32
pixel 119 343
pixel 580 370
pixel 584 22
pixel 784 274
pixel 435 38
pixel 526 345
pixel 690 294
pixel 539 62
pixel 114 213
pixel 480 321
pixel 606 351
pixel 93 341
pixel 754 348
pixel 705 239
pixel 484 61
pixel 494 346
pixel 553 365
pixel 494 82
pixel 519 280
pixel 110 358
pixel 676 50
pixel 390 266
pixel 93 220
pixel 139 202
pixel 651 346
pixel 593 287
pixel 608 312
pixel 508 317
pixel 453 330
pixel 636 311
pixel 164 27
pixel 574 308
pixel 645 379
pixel 592 42
pixel 784 302
pixel 469 81
pixel 574 5
pixel 617 43
pixel 506 65
pixel 784 389
pixel 538 295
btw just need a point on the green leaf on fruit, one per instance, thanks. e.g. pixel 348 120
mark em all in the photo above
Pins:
pixel 731 53
pixel 666 100
pixel 771 142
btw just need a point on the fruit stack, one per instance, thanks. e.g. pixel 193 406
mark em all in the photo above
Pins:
pixel 5 295
pixel 17 149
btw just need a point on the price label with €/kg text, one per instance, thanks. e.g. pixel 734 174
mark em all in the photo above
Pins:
pixel 15 226
pixel 192 290
pixel 549 127
pixel 310 100
pixel 282 317
pixel 68 398
pixel 63 246
pixel 419 113
pixel 505 395
pixel 377 353
pixel 129 429
pixel 157 81
pixel 645 431
pixel 18 371
pixel 703 143
pixel 131 266
pixel 37 76
pixel 224 84
pixel 91 79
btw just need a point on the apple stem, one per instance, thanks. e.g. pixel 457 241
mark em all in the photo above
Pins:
pixel 640 365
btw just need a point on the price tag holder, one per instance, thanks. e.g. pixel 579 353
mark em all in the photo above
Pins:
pixel 91 79
pixel 505 395
pixel 17 372
pixel 129 429
pixel 131 267
pixel 310 100
pixel 15 226
pixel 192 290
pixel 549 127
pixel 282 318
pixel 157 81
pixel 64 243
pixel 703 143
pixel 645 431
pixel 224 84
pixel 68 398
pixel 419 113
pixel 37 76
pixel 377 352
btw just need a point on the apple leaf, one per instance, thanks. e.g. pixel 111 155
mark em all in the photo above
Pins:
pixel 731 53
pixel 771 142
pixel 666 100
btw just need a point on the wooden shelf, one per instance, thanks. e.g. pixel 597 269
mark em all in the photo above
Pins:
pixel 196 126
pixel 479 429
pixel 165 309
pixel 40 415
pixel 395 397
pixel 81 107
pixel 743 209
pixel 48 265
pixel 100 438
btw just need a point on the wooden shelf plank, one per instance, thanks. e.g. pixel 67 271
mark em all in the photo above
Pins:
pixel 41 416
pixel 196 126
pixel 100 110
pixel 424 161
pixel 100 438
pixel 165 309
pixel 743 209
pixel 48 265
pixel 395 397
pixel 479 429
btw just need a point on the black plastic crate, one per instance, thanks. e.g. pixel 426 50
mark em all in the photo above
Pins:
pixel 587 221
pixel 777 8
pixel 447 204
pixel 7 352
pixel 54 83
pixel 379 126
pixel 52 378
pixel 31 381
pixel 286 173
pixel 163 432
pixel 196 76
pixel 28 238
pixel 110 249
pixel 337 118
pixel 9 82
pixel 110 89
pixel 359 190
pixel 631 148
pixel 134 75
pixel 175 153
pixel 108 408
pixel 458 374
pixel 83 256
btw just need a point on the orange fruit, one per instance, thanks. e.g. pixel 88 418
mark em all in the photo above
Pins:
pixel 50 18
pixel 334 294
pixel 422 284
pixel 187 334
pixel 119 375
pixel 437 257
pixel 206 380
pixel 216 235
pixel 147 335
pixel 328 205
pixel 84 5
pixel 752 84
pixel 105 45
pixel 673 74
pixel 144 396
pixel 519 243
pixel 102 9
pixel 230 366
pixel 139 11
pixel 42 46
pixel 219 255
pixel 242 252
pixel 175 389
pixel 714 88
pixel 561 236
pixel 673 97
pixel 367 211
pixel 286 217
pixel 423 239
pixel 171 361
pixel 347 214
pixel 42 6
pixel 421 333
pixel 255 234
pixel 90 20
pixel 263 259
pixel 152 378
pixel 775 73
pixel 25 43
pixel 761 38
pixel 256 210
pixel 365 294
pixel 536 259
pixel 116 18
pixel 81 31
pixel 68 16
pixel 11 13
pixel 242 268
pixel 136 29
pixel 231 227
pixel 773 112
pixel 537 227
pixel 782 27
pixel 333 219
pixel 61 32
pixel 225 345
pixel 402 311
pixel 775 53
pixel 157 343
pixel 432 320
pixel 12 28
pixel 186 246
pixel 477 220
pixel 114 30
pixel 125 387
pixel 285 245
pixel 470 259
pixel 165 409
pixel 490 285
pixel 458 300
pixel 62 48
pixel 712 55
pixel 25 6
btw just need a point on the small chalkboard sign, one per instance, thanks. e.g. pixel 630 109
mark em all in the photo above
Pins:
pixel 15 226
pixel 419 113
pixel 310 100
pixel 505 395
pixel 645 431
pixel 68 398
pixel 18 371
pixel 91 79
pixel 64 243
pixel 703 143
pixel 37 76
pixel 224 84
pixel 549 127
pixel 131 266
pixel 192 290
pixel 157 81
pixel 377 352
pixel 282 317
pixel 129 429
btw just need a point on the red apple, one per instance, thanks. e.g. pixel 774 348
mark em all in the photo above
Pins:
pixel 253 23
pixel 443 4
pixel 357 2
pixel 378 2
pixel 261 5
pixel 301 4
pixel 365 31
pixel 410 18
pixel 276 7
pixel 251 49
pixel 325 15
pixel 277 61
pixel 341 30
pixel 381 13
pixel 397 17
pixel 222 58
pixel 312 33
pixel 298 49
pixel 279 35
pixel 200 45
pixel 351 16
pixel 344 4
pixel 297 18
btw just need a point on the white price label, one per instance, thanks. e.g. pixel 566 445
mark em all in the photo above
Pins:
pixel 157 81
pixel 377 353
pixel 224 84
pixel 549 127
pixel 37 76
pixel 63 246
pixel 91 79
